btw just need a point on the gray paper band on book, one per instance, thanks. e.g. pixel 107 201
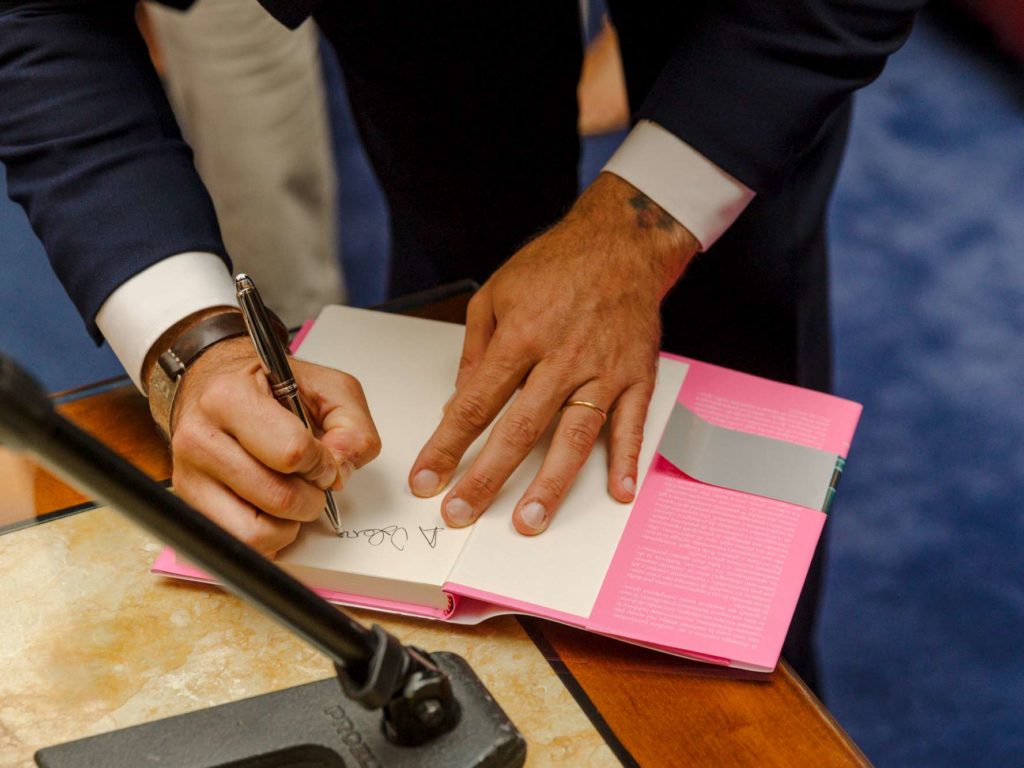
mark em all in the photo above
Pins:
pixel 749 463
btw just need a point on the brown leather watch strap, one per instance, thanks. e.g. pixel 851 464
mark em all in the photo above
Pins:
pixel 165 376
pixel 187 348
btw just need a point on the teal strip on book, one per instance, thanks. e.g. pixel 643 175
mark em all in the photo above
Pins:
pixel 833 484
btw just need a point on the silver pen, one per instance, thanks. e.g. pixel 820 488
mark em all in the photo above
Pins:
pixel 274 358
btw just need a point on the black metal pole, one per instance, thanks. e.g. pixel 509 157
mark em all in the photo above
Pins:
pixel 28 422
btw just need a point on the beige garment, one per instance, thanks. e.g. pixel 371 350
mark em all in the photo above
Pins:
pixel 249 96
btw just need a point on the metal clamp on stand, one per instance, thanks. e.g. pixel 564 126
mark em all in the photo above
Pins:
pixel 404 681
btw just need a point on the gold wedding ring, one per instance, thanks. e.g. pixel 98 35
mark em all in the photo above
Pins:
pixel 591 406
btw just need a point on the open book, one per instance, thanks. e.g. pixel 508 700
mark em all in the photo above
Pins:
pixel 707 562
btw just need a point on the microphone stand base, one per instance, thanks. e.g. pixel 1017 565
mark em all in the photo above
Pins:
pixel 308 726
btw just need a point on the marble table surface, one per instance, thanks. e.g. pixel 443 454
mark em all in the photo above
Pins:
pixel 91 641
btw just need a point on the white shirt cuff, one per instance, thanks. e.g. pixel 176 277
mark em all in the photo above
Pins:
pixel 137 313
pixel 689 187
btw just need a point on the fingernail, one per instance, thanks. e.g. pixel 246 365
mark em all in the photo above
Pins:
pixel 426 483
pixel 630 485
pixel 458 511
pixel 534 516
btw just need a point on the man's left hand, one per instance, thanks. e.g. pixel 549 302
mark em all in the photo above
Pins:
pixel 573 316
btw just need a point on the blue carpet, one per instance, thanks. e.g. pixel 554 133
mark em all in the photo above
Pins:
pixel 924 611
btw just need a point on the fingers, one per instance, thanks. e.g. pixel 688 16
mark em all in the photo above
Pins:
pixel 572 444
pixel 512 438
pixel 273 435
pixel 480 325
pixel 252 465
pixel 468 414
pixel 284 496
pixel 550 384
pixel 574 439
pixel 266 534
pixel 577 432
pixel 627 434
pixel 581 298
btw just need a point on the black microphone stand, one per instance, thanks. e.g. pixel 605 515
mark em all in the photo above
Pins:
pixel 435 710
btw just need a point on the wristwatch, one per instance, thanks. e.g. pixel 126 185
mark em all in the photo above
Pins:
pixel 165 377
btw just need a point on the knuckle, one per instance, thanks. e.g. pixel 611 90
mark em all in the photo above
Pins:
pixel 580 437
pixel 526 340
pixel 186 440
pixel 350 383
pixel 477 304
pixel 552 486
pixel 221 392
pixel 254 535
pixel 509 365
pixel 370 447
pixel 445 456
pixel 208 399
pixel 293 452
pixel 470 412
pixel 520 431
pixel 479 484
pixel 573 357
pixel 644 389
pixel 283 499
pixel 268 537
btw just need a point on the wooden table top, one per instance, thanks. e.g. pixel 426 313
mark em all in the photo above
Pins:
pixel 650 709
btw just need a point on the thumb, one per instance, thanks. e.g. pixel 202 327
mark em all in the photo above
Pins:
pixel 480 326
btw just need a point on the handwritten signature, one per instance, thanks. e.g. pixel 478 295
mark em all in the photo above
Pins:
pixel 430 535
pixel 395 535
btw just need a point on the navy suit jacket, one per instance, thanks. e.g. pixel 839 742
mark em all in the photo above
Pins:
pixel 94 156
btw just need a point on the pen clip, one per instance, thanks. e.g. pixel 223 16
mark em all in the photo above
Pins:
pixel 272 353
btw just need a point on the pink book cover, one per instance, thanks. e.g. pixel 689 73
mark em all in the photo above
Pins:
pixel 713 571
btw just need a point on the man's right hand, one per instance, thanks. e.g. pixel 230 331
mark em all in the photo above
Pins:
pixel 247 462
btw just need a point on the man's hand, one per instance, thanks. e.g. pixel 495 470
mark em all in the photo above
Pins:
pixel 247 462
pixel 573 316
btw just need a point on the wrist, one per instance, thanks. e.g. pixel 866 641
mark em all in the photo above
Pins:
pixel 171 335
pixel 177 349
pixel 665 245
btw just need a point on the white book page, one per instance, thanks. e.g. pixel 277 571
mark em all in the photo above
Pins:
pixel 407 369
pixel 563 568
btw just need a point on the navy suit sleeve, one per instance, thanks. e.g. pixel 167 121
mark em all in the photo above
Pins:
pixel 91 147
pixel 753 81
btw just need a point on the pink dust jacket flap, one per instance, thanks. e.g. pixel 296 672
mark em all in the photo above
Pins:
pixel 713 571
